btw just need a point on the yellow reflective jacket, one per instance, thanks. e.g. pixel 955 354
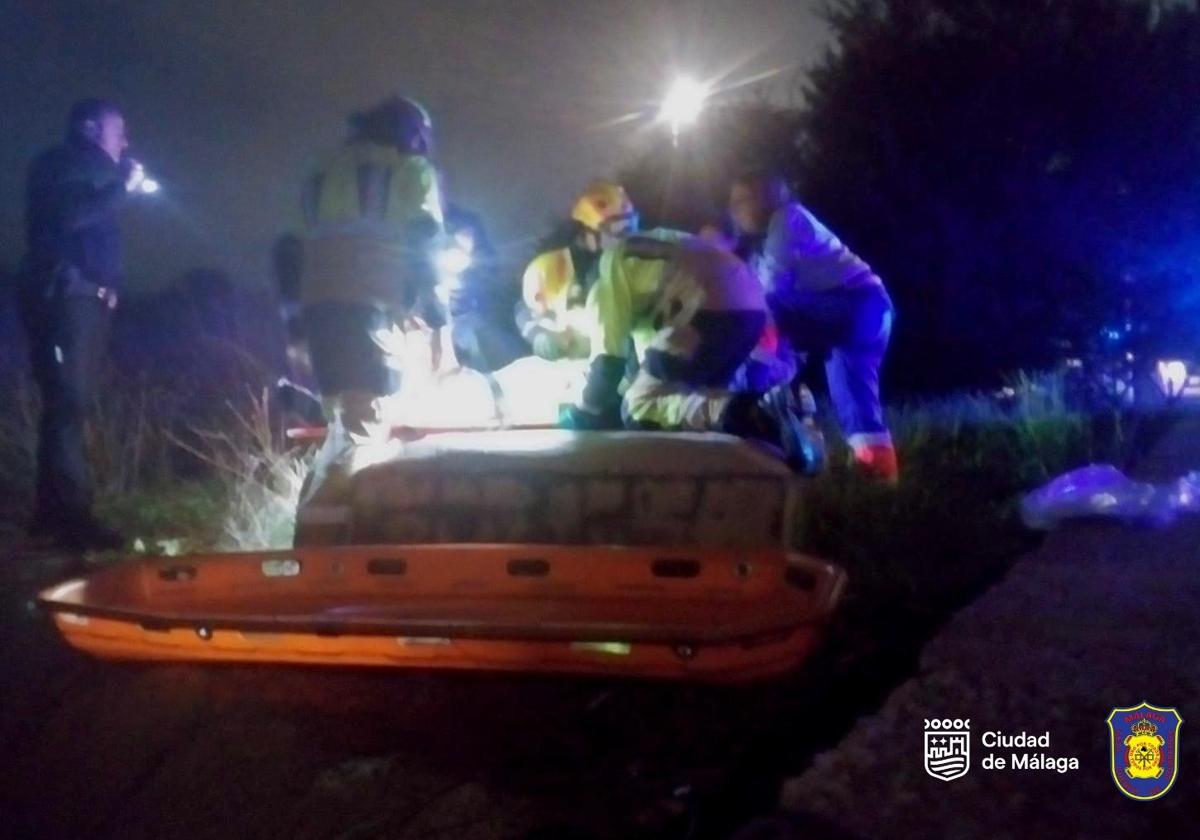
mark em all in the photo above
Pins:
pixel 549 285
pixel 552 316
pixel 651 282
pixel 661 279
pixel 372 215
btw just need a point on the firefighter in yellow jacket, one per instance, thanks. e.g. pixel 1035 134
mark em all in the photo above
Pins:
pixel 692 313
pixel 555 285
pixel 373 216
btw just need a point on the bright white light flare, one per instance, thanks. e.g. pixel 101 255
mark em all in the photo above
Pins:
pixel 683 104
pixel 1173 376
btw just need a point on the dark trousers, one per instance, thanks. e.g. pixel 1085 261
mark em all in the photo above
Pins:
pixel 67 340
pixel 485 344
pixel 345 355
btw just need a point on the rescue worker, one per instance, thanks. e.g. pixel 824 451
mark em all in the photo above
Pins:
pixel 825 300
pixel 719 231
pixel 555 284
pixel 692 313
pixel 373 217
pixel 68 290
pixel 771 362
pixel 479 306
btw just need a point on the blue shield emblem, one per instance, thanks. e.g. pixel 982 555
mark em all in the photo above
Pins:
pixel 1144 745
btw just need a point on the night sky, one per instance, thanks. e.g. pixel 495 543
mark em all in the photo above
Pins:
pixel 230 101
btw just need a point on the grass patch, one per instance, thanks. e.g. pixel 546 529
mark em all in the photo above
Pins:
pixel 174 518
pixel 951 524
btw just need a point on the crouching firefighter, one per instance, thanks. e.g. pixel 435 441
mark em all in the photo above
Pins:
pixel 552 316
pixel 692 314
pixel 373 216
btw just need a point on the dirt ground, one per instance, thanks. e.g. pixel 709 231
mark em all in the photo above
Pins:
pixel 1101 615
pixel 1098 616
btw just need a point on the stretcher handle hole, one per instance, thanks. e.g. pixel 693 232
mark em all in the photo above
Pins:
pixel 387 566
pixel 801 578
pixel 529 567
pixel 675 567
pixel 177 573
pixel 280 567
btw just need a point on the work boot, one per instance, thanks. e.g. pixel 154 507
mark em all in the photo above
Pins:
pixel 782 420
pixel 358 414
pixel 877 461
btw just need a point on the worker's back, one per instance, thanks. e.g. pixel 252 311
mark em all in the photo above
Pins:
pixel 371 212
pixel 662 278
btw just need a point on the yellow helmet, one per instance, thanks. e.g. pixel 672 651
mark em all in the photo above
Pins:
pixel 603 206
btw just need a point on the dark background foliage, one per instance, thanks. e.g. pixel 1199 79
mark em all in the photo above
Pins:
pixel 1022 173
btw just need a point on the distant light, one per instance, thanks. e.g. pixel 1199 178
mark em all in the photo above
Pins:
pixel 149 186
pixel 1173 375
pixel 452 261
pixel 683 104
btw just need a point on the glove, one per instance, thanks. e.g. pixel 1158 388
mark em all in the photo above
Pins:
pixel 572 416
pixel 575 418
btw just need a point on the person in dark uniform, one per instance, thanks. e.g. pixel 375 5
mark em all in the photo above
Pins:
pixel 480 303
pixel 68 290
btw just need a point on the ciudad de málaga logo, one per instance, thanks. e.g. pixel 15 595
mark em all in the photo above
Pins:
pixel 1143 741
pixel 948 750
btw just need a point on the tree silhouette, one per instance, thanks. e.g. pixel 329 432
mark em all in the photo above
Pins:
pixel 1016 170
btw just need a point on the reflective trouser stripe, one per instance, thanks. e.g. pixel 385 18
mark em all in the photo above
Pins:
pixel 864 440
pixel 673 406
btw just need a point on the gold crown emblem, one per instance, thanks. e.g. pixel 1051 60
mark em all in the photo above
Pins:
pixel 1143 727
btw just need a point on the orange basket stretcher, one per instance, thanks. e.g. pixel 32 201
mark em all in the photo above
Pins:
pixel 661 555
pixel 717 616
